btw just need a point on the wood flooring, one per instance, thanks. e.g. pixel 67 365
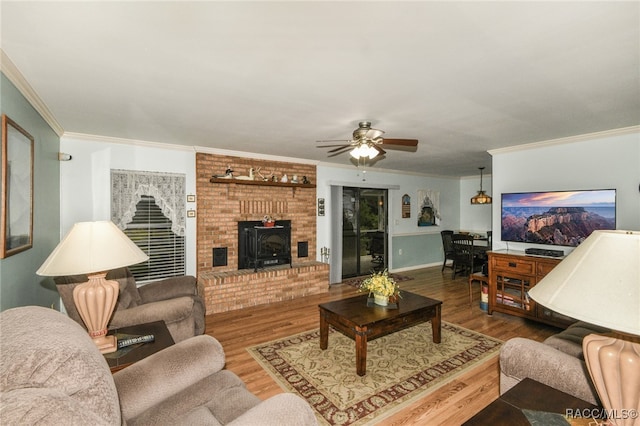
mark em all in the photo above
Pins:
pixel 452 404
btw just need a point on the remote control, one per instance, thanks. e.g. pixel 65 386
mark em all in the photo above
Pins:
pixel 134 340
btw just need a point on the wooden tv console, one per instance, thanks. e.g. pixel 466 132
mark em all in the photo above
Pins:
pixel 511 275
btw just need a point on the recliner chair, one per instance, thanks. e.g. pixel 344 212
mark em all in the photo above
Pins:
pixel 51 373
pixel 172 300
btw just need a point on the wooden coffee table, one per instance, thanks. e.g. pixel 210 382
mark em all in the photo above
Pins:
pixel 127 356
pixel 362 323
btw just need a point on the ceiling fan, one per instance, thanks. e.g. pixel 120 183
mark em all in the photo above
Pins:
pixel 367 143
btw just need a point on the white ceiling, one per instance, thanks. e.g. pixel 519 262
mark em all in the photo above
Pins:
pixel 274 77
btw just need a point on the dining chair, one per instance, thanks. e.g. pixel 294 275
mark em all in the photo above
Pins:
pixel 447 247
pixel 465 259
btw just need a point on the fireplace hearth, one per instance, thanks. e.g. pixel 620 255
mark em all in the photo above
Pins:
pixel 261 246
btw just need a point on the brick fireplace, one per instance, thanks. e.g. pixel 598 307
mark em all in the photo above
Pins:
pixel 225 202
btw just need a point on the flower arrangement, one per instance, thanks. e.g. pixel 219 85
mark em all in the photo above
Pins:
pixel 382 284
pixel 268 220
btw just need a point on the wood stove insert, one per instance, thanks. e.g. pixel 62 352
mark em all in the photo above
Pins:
pixel 260 246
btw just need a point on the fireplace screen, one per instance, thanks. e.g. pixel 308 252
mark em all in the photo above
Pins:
pixel 260 246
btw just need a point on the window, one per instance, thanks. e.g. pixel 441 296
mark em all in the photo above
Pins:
pixel 151 231
pixel 149 207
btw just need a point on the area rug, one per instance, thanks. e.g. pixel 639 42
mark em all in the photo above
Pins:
pixel 355 282
pixel 401 367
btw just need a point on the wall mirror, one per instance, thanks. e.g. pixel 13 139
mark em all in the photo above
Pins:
pixel 17 189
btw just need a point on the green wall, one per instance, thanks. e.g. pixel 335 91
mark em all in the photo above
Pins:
pixel 19 284
pixel 420 249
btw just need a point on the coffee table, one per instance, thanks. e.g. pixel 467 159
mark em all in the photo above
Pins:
pixel 125 357
pixel 362 323
pixel 529 395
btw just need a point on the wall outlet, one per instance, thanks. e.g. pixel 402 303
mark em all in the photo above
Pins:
pixel 400 252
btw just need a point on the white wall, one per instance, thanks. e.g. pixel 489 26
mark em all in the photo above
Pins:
pixel 475 218
pixel 85 180
pixel 398 185
pixel 609 160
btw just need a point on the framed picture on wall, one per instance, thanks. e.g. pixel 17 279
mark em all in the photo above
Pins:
pixel 406 206
pixel 16 222
pixel 429 207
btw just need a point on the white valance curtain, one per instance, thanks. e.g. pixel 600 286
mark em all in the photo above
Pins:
pixel 167 189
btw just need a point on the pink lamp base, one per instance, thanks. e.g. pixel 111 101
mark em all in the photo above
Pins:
pixel 95 301
pixel 614 365
pixel 106 344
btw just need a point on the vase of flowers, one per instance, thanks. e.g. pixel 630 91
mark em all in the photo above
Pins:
pixel 268 221
pixel 380 300
pixel 382 287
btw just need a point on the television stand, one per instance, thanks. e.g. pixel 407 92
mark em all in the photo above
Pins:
pixel 511 275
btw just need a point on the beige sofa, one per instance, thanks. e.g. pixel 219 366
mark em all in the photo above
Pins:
pixel 51 373
pixel 172 300
pixel 557 362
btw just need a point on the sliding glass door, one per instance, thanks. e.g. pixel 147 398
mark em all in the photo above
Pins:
pixel 364 231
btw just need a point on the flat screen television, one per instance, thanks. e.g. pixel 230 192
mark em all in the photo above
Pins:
pixel 562 218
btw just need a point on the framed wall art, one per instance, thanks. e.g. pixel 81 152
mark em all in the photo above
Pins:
pixel 429 207
pixel 406 206
pixel 16 223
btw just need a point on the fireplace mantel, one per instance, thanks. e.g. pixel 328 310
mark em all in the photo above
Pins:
pixel 261 183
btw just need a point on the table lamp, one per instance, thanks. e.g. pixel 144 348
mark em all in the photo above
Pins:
pixel 94 248
pixel 599 283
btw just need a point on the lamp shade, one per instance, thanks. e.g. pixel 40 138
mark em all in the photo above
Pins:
pixel 599 282
pixel 481 198
pixel 92 247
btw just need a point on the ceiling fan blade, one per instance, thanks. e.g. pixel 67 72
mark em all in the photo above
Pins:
pixel 402 142
pixel 373 134
pixel 340 148
pixel 332 146
pixel 335 140
pixel 340 151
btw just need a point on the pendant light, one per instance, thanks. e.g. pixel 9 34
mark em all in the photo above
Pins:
pixel 481 197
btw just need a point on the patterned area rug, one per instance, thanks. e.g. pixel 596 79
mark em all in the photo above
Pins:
pixel 401 367
pixel 355 282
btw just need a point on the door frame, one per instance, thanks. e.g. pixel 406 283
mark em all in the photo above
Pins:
pixel 335 226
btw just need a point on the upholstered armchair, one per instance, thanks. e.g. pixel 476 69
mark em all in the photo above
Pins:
pixel 172 300
pixel 51 372
pixel 557 362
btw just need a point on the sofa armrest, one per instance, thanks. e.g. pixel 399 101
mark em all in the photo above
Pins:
pixel 279 410
pixel 168 288
pixel 169 311
pixel 521 358
pixel 163 374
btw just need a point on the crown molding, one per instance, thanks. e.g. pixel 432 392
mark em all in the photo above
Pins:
pixel 15 76
pixel 123 141
pixel 570 139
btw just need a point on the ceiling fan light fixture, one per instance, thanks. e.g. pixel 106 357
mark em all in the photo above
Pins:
pixel 364 150
pixel 356 152
pixel 481 197
pixel 372 152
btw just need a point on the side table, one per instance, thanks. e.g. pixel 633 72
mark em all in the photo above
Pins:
pixel 529 395
pixel 126 356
